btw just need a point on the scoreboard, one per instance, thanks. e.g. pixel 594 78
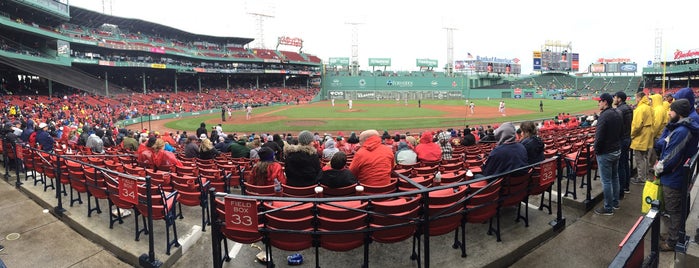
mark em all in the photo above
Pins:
pixel 556 61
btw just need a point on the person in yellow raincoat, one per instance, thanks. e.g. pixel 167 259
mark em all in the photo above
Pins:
pixel 642 137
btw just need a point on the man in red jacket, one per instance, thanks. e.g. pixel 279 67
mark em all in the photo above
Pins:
pixel 373 163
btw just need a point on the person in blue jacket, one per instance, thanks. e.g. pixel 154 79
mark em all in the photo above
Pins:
pixel 676 148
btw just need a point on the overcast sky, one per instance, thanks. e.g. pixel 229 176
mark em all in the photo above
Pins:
pixel 408 30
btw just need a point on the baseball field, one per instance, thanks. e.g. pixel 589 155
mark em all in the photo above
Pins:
pixel 381 115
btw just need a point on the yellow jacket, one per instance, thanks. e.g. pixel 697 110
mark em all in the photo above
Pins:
pixel 660 116
pixel 642 126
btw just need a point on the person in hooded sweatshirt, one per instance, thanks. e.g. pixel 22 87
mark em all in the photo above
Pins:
pixel 302 163
pixel 681 140
pixel 532 142
pixel 95 143
pixel 330 149
pixel 427 150
pixel 27 131
pixel 405 155
pixel 507 155
pixel 337 176
pixel 82 140
pixel 373 162
pixel 688 94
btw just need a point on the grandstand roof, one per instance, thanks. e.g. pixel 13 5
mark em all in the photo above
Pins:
pixel 94 19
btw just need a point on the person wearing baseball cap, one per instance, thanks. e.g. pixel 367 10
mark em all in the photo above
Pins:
pixel 675 150
pixel 607 148
pixel 627 117
pixel 43 138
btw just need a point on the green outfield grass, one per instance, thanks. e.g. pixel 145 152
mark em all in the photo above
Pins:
pixel 383 115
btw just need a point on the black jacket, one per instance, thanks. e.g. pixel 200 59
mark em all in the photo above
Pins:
pixel 608 132
pixel 535 149
pixel 302 165
pixel 336 178
pixel 627 117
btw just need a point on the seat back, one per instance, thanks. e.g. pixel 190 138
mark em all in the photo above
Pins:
pixel 514 189
pixel 95 183
pixel 342 191
pixel 391 187
pixel 251 189
pixel 305 191
pixel 347 216
pixel 232 231
pixel 482 205
pixel 445 209
pixel 286 223
pixel 395 220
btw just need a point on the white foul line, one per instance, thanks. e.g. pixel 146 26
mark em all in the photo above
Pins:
pixel 234 251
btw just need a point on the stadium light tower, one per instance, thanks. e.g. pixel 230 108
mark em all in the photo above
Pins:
pixel 107 6
pixel 354 62
pixel 262 10
pixel 449 67
pixel 658 47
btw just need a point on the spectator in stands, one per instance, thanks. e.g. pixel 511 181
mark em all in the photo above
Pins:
pixel 641 137
pixel 27 131
pixel 214 135
pixel 337 176
pixel 73 137
pixel 269 143
pixel 427 150
pixel 191 149
pixel 256 147
pixel 108 139
pixel 468 139
pixel 145 153
pixel 224 143
pixel 683 137
pixel 276 138
pixel 607 148
pixel 373 162
pixel 167 138
pixel 330 149
pixel 130 142
pixel 352 144
pixel 405 155
pixel 163 159
pixel 507 155
pixel 667 100
pixel 267 170
pixel 660 116
pixel 688 94
pixel 489 136
pixel 443 138
pixel 239 149
pixel 43 138
pixel 625 142
pixel 95 143
pixel 207 150
pixel 302 163
pixel 82 140
pixel 201 129
pixel 532 142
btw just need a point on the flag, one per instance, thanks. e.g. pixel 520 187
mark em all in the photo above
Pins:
pixel 468 55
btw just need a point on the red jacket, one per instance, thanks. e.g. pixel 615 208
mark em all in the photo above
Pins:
pixel 373 162
pixel 428 150
pixel 165 159
pixel 274 170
